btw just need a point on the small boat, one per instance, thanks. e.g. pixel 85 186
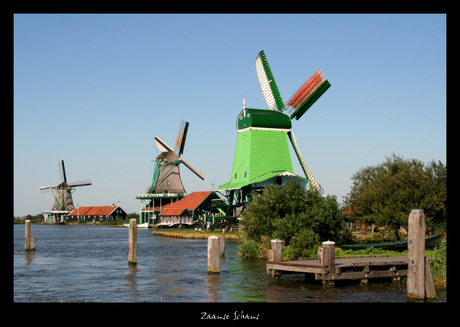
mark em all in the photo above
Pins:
pixel 144 225
pixel 430 242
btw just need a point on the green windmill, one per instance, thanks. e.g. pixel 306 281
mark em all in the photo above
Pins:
pixel 262 155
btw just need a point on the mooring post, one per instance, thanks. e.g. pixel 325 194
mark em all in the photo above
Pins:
pixel 329 255
pixel 29 244
pixel 222 243
pixel 327 260
pixel 213 255
pixel 416 255
pixel 277 248
pixel 132 252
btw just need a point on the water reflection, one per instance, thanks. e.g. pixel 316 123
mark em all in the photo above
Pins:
pixel 29 257
pixel 213 287
pixel 130 279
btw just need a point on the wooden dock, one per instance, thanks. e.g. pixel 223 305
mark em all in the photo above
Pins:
pixel 341 269
pixel 328 268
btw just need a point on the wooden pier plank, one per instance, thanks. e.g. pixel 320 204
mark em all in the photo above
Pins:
pixel 350 268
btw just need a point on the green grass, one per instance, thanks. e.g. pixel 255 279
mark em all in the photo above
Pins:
pixel 193 231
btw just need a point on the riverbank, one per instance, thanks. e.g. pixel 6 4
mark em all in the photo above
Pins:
pixel 189 234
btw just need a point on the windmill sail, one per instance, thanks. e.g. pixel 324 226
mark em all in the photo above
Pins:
pixel 162 146
pixel 197 172
pixel 267 83
pixel 62 171
pixel 181 136
pixel 80 183
pixel 307 94
pixel 313 182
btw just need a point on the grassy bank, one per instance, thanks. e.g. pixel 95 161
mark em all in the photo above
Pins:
pixel 192 233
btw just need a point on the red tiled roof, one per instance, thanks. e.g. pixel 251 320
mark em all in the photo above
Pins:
pixel 190 202
pixel 93 211
pixel 175 212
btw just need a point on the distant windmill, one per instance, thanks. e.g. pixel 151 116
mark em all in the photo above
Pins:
pixel 62 193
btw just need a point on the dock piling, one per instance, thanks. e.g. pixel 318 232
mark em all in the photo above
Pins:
pixel 276 253
pixel 132 251
pixel 222 243
pixel 328 260
pixel 213 255
pixel 419 280
pixel 29 244
pixel 329 255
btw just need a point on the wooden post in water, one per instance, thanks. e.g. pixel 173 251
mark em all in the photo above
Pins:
pixel 213 255
pixel 29 244
pixel 222 243
pixel 329 255
pixel 132 252
pixel 416 255
pixel 277 248
pixel 328 260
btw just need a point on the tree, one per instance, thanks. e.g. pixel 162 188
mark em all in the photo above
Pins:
pixel 301 218
pixel 386 194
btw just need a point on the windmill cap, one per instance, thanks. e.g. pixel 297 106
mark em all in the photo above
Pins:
pixel 261 118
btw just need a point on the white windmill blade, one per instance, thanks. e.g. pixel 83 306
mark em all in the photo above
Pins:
pixel 46 189
pixel 267 83
pixel 199 173
pixel 314 183
pixel 162 146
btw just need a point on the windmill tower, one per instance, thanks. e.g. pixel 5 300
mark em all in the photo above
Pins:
pixel 262 155
pixel 63 203
pixel 166 186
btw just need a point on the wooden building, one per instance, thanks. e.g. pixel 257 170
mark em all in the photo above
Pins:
pixel 187 210
pixel 96 214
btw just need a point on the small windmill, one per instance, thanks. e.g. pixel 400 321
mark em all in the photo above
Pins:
pixel 166 182
pixel 62 193
pixel 262 155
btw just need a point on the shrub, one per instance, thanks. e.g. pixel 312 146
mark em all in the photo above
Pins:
pixel 438 267
pixel 303 245
pixel 301 218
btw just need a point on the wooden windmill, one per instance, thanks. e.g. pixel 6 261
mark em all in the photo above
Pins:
pixel 63 203
pixel 166 176
pixel 166 186
pixel 262 155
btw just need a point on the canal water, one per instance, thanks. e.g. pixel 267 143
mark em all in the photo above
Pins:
pixel 90 264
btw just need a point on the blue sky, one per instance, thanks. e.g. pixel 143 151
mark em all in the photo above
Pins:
pixel 94 91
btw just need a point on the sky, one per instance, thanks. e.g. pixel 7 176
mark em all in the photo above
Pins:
pixel 95 89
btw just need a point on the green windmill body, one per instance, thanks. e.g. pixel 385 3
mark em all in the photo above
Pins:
pixel 262 149
pixel 262 154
